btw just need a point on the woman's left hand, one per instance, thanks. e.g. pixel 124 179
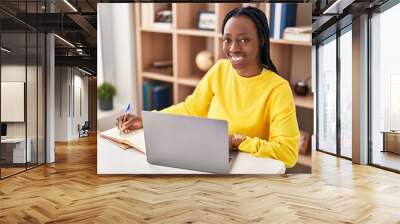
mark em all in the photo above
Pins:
pixel 235 140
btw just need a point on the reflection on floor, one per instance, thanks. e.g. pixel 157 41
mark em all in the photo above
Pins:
pixel 387 159
pixel 10 169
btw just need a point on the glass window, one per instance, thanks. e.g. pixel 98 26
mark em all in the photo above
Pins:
pixel 326 96
pixel 385 89
pixel 15 150
pixel 22 92
pixel 346 93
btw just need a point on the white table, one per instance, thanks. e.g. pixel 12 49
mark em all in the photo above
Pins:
pixel 19 155
pixel 113 160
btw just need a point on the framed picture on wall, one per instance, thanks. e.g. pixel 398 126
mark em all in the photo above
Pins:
pixel 206 20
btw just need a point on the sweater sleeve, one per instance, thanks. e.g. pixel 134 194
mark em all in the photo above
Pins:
pixel 198 103
pixel 283 140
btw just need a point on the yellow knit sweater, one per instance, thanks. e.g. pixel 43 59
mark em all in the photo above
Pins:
pixel 260 107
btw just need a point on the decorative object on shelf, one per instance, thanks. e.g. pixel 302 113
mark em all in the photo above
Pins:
pixel 156 16
pixel 163 20
pixel 301 33
pixel 301 87
pixel 206 20
pixel 105 93
pixel 204 60
pixel 161 64
pixel 164 16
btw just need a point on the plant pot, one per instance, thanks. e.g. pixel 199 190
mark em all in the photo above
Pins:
pixel 106 105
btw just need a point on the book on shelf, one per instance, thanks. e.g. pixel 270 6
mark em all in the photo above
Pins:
pixel 298 33
pixel 147 89
pixel 134 139
pixel 282 15
pixel 156 95
pixel 162 96
pixel 161 64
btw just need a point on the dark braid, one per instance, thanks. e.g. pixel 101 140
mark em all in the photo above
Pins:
pixel 260 20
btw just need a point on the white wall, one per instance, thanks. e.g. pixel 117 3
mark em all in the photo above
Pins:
pixel 116 50
pixel 67 117
pixel 33 126
pixel 61 103
pixel 15 72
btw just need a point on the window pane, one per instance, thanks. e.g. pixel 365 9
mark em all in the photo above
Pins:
pixel 327 97
pixel 14 153
pixel 346 94
pixel 385 84
pixel 31 97
pixel 41 98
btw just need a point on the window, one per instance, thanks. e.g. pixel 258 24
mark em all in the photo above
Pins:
pixel 346 93
pixel 385 89
pixel 326 96
pixel 22 66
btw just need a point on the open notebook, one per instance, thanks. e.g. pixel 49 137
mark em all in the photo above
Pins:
pixel 134 139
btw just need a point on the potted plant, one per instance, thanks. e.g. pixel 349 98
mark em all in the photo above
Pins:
pixel 105 93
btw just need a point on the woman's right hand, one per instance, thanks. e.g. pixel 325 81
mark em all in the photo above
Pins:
pixel 128 123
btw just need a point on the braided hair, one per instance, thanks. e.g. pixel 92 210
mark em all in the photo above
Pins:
pixel 260 20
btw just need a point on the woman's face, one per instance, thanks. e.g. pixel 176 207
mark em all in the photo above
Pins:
pixel 241 45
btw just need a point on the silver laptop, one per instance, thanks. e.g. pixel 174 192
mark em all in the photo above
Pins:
pixel 187 142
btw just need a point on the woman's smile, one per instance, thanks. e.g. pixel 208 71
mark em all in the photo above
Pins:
pixel 236 60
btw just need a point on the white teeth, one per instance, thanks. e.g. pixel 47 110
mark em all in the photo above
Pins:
pixel 236 58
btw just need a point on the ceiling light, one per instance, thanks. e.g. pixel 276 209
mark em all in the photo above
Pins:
pixel 65 41
pixel 84 71
pixel 337 7
pixel 5 50
pixel 70 5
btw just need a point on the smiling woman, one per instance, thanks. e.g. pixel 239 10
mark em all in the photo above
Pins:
pixel 246 91
pixel 245 31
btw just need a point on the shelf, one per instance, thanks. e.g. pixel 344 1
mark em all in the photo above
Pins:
pixel 162 71
pixel 159 77
pixel 154 30
pixel 187 49
pixel 195 32
pixel 304 101
pixel 183 41
pixel 291 42
pixel 189 81
pixel 157 47
pixel 187 14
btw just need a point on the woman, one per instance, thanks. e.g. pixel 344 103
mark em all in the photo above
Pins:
pixel 245 90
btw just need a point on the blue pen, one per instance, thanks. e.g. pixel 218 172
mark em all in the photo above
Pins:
pixel 127 109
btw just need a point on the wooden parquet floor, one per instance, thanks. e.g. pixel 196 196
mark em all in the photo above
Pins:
pixel 70 191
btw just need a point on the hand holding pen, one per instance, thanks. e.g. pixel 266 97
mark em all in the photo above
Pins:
pixel 128 122
pixel 127 109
